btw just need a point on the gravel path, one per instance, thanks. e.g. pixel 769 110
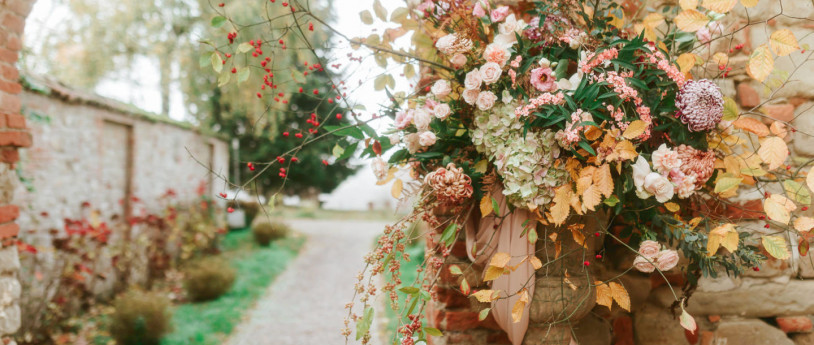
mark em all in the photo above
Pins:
pixel 305 305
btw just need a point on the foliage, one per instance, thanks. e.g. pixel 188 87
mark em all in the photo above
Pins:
pixel 265 231
pixel 141 318
pixel 208 278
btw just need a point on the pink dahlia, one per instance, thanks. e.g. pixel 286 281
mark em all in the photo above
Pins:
pixel 700 105
pixel 543 80
pixel 696 163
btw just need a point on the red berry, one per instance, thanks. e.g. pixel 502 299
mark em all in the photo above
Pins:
pixel 761 217
pixel 234 69
pixel 221 4
pixel 339 116
pixel 259 95
pixel 756 269
pixel 596 234
pixel 325 162
pixel 222 195
pixel 805 208
pixel 316 92
pixel 586 263
pixel 598 256
pixel 298 135
pixel 230 210
pixel 294 159
pixel 300 90
pixel 285 134
pixel 767 226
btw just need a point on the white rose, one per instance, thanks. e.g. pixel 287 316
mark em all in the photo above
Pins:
pixel 659 186
pixel 422 119
pixel 441 88
pixel 441 111
pixel 486 100
pixel 473 79
pixel 471 95
pixel 444 44
pixel 394 139
pixel 511 25
pixel 412 142
pixel 379 168
pixel 426 138
pixel 640 170
pixel 490 72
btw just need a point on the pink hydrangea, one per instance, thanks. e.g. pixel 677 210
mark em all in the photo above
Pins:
pixel 543 80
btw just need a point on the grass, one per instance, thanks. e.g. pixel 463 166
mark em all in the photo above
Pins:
pixel 210 322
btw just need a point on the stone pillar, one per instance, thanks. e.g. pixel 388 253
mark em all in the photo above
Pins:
pixel 13 135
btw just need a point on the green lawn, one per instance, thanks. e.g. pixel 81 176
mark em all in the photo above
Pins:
pixel 210 322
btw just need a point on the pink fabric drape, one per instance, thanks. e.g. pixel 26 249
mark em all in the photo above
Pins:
pixel 483 240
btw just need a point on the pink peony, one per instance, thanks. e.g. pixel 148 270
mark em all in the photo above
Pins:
pixel 666 260
pixel 643 265
pixel 543 80
pixel 649 248
pixel 496 53
pixel 665 159
pixel 499 14
pixel 404 118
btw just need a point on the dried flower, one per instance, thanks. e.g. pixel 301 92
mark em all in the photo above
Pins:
pixel 452 43
pixel 696 163
pixel 700 105
pixel 450 185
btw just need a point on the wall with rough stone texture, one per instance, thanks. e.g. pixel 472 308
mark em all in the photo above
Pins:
pixel 106 157
pixel 13 135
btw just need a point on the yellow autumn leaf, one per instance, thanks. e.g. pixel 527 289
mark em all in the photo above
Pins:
pixel 761 63
pixel 579 237
pixel 727 184
pixel 395 191
pixel 485 295
pixel 519 306
pixel 688 4
pixel 486 207
pixel 500 260
pixel 803 224
pixel 557 249
pixel 810 180
pixel 585 179
pixel 776 247
pixel 634 129
pixel 779 129
pixel 690 20
pixel 604 294
pixel 773 151
pixel 721 59
pixel 786 202
pixel 493 273
pixel 686 61
pixel 481 166
pixel 591 198
pixel 776 210
pixel 603 180
pixel 653 20
pixel 620 295
pixel 783 42
pixel 720 6
pixel 751 125
pixel 672 207
pixel 535 262
pixel 749 3
pixel 562 204
pixel 723 235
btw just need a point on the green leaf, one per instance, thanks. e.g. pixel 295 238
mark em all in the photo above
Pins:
pixel 243 74
pixel 366 17
pixel 730 110
pixel 611 201
pixel 433 331
pixel 218 21
pixel 296 75
pixel 411 290
pixel 797 192
pixel 455 270
pixel 725 184
pixel 495 207
pixel 217 62
pixel 533 235
pixel 337 151
pixel 244 47
pixel 352 131
pixel 204 59
pixel 483 314
pixel 363 326
pixel 224 78
pixel 349 151
pixel 776 247
pixel 449 234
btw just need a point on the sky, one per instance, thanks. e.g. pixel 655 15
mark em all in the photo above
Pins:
pixel 358 191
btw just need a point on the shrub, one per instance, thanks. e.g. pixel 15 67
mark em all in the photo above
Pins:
pixel 265 231
pixel 141 318
pixel 208 279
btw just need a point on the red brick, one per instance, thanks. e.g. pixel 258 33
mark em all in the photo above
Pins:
pixel 15 121
pixel 12 87
pixel 498 338
pixel 21 7
pixel 623 330
pixel 452 298
pixel 780 112
pixel 9 155
pixel 675 279
pixel 714 318
pixel 9 72
pixel 9 213
pixel 459 249
pixel 14 43
pixel 8 55
pixel 10 103
pixel 9 230
pixel 747 96
pixel 15 138
pixel 14 22
pixel 795 324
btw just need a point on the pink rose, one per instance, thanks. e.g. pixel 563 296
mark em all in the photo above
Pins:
pixel 458 60
pixel 379 168
pixel 479 11
pixel 441 111
pixel 473 79
pixel 486 100
pixel 441 88
pixel 490 72
pixel 471 96
pixel 666 259
pixel 643 265
pixel 543 80
pixel 496 53
pixel 404 118
pixel 422 119
pixel 649 248
pixel 426 138
pixel 499 14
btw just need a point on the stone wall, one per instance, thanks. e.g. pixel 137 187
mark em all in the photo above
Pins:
pixel 13 135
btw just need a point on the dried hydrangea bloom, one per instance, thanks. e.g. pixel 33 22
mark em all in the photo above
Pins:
pixel 450 185
pixel 700 105
pixel 696 163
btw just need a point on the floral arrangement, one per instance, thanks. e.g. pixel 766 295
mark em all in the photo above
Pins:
pixel 530 118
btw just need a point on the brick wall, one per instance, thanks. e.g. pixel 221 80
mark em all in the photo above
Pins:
pixel 13 135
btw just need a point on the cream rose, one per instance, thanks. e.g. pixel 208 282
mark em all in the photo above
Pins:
pixel 490 72
pixel 422 119
pixel 496 53
pixel 426 138
pixel 441 111
pixel 394 138
pixel 660 186
pixel 649 248
pixel 412 142
pixel 471 95
pixel 473 79
pixel 441 88
pixel 666 260
pixel 379 168
pixel 486 100
pixel 643 265
pixel 458 60
pixel 665 159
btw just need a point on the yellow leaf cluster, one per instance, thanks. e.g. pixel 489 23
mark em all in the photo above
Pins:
pixel 690 20
pixel 783 42
pixel 722 236
pixel 606 294
pixel 761 63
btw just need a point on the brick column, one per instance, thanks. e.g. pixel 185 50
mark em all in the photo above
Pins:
pixel 13 135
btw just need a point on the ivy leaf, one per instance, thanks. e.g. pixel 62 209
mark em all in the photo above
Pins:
pixel 783 42
pixel 773 151
pixel 761 63
pixel 218 21
pixel 690 20
pixel 776 247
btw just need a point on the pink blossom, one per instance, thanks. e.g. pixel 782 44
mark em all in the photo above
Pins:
pixel 499 14
pixel 458 60
pixel 404 118
pixel 427 5
pixel 496 53
pixel 666 259
pixel 478 11
pixel 643 265
pixel 543 80
pixel 649 248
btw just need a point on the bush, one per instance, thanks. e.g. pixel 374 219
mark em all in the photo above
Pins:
pixel 265 231
pixel 141 318
pixel 208 279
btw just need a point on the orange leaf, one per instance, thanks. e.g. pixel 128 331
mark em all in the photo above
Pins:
pixel 604 294
pixel 620 295
pixel 690 20
pixel 773 151
pixel 751 125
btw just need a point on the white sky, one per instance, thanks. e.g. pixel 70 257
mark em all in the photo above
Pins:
pixel 142 89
